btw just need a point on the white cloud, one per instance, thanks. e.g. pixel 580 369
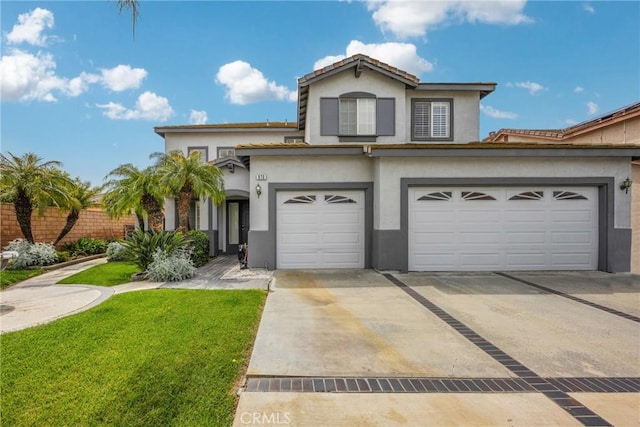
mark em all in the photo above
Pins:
pixel 246 85
pixel 415 18
pixel 578 89
pixel 497 114
pixel 403 56
pixel 28 77
pixel 198 117
pixel 30 27
pixel 588 8
pixel 149 106
pixel 532 87
pixel 122 77
pixel 592 108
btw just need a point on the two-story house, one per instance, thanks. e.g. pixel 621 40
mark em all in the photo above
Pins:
pixel 384 171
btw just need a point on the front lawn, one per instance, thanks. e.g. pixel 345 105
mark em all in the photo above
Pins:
pixel 108 274
pixel 9 277
pixel 155 358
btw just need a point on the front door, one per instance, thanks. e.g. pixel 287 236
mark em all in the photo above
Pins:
pixel 237 224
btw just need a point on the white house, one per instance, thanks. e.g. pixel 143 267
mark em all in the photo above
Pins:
pixel 384 171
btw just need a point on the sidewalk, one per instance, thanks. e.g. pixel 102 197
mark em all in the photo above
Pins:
pixel 39 300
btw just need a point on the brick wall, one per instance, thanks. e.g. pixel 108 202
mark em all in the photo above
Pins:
pixel 93 222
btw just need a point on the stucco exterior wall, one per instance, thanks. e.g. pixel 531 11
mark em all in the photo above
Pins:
pixel 345 82
pixel 466 114
pixel 301 169
pixel 635 218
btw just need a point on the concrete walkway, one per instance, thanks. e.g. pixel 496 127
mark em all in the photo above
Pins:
pixel 39 300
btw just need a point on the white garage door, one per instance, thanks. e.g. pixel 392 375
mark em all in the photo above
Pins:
pixel 320 229
pixel 497 228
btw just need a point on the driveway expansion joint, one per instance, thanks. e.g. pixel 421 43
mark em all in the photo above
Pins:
pixel 574 408
pixel 571 297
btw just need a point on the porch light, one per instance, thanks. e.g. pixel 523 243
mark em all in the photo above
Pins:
pixel 258 190
pixel 626 185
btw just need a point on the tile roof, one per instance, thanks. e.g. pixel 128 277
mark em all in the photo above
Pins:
pixel 472 145
pixel 354 61
pixel 612 117
pixel 161 130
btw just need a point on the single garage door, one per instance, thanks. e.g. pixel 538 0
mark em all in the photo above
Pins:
pixel 498 228
pixel 320 229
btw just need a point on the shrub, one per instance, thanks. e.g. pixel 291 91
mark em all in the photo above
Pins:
pixel 85 246
pixel 199 247
pixel 116 251
pixel 171 268
pixel 32 253
pixel 141 246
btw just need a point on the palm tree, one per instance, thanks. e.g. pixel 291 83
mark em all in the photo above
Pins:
pixel 188 178
pixel 133 6
pixel 83 195
pixel 131 188
pixel 30 183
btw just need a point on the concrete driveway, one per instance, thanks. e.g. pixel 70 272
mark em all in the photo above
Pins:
pixel 346 348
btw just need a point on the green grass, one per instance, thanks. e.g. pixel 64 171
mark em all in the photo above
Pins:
pixel 9 277
pixel 108 274
pixel 150 358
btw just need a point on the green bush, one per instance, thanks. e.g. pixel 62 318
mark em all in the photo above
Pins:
pixel 63 256
pixel 140 246
pixel 85 246
pixel 199 247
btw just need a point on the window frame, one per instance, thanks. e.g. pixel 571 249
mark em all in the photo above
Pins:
pixel 360 117
pixel 432 102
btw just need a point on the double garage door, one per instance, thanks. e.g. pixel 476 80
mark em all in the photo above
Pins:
pixel 449 228
pixel 498 228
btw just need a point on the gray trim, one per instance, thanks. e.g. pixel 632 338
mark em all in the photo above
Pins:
pixel 493 151
pixel 357 95
pixel 387 250
pixel 199 147
pixel 264 246
pixel 237 194
pixel 357 138
pixel 431 100
pixel 484 88
pixel 614 245
pixel 299 151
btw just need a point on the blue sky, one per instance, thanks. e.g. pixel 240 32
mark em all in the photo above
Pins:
pixel 77 87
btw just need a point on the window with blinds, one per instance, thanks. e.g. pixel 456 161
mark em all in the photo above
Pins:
pixel 431 119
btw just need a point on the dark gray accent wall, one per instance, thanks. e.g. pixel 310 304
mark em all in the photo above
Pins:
pixel 614 244
pixel 387 250
pixel 262 243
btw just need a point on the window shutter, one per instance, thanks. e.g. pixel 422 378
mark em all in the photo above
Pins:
pixel 329 116
pixel 386 117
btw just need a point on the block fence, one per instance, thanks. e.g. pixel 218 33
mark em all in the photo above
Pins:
pixel 93 222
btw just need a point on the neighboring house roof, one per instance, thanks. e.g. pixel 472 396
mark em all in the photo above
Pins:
pixel 360 61
pixel 616 116
pixel 226 127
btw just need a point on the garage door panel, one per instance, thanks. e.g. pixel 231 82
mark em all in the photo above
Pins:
pixel 320 229
pixel 523 228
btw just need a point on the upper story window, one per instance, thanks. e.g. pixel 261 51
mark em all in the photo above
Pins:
pixel 224 152
pixel 431 119
pixel 203 153
pixel 357 117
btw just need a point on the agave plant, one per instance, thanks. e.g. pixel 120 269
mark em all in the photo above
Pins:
pixel 141 245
